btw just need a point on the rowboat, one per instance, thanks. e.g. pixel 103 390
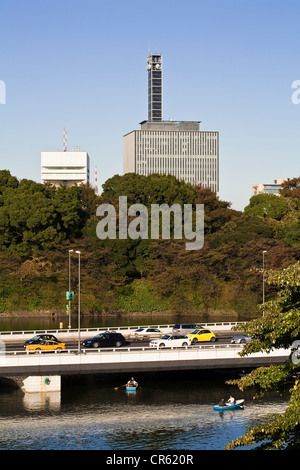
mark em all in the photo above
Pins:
pixel 238 405
pixel 130 389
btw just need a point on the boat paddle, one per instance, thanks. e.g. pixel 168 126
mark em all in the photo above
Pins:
pixel 117 388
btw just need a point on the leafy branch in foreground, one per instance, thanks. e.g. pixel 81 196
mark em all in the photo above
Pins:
pixel 280 432
pixel 277 329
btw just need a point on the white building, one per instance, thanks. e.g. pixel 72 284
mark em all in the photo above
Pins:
pixel 268 188
pixel 65 168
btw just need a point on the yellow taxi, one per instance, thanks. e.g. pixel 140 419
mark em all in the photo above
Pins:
pixel 46 345
pixel 203 334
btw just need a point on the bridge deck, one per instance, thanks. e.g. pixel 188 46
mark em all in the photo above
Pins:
pixel 135 359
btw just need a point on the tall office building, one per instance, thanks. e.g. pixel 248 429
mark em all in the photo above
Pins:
pixel 177 148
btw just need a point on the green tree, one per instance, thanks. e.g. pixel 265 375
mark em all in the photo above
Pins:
pixel 147 190
pixel 291 188
pixel 35 217
pixel 267 205
pixel 277 329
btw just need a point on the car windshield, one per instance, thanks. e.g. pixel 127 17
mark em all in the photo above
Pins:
pixel 195 332
pixel 139 329
pixel 36 337
pixel 166 337
pixel 99 336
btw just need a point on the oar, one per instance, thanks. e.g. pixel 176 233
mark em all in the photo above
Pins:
pixel 117 388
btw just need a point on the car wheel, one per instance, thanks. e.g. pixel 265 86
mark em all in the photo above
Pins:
pixel 242 341
pixel 118 344
pixel 195 340
pixel 184 344
pixel 95 345
pixel 212 339
pixel 58 349
pixel 162 345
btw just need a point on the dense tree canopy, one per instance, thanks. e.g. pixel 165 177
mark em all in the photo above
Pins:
pixel 39 223
pixel 279 328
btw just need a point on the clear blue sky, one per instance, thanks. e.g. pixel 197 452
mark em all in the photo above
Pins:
pixel 81 64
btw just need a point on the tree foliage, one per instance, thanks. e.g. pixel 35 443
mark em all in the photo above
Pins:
pixel 35 217
pixel 267 205
pixel 39 223
pixel 277 329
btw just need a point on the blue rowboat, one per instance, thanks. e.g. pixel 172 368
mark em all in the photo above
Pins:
pixel 130 389
pixel 238 405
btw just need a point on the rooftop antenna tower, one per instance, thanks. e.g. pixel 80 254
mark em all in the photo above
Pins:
pixel 65 140
pixel 154 69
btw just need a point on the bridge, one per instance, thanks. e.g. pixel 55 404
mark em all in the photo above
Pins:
pixel 42 371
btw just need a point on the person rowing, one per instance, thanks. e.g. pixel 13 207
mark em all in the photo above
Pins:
pixel 132 383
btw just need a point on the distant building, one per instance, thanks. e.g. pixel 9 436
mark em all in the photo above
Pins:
pixel 173 148
pixel 176 148
pixel 268 188
pixel 65 168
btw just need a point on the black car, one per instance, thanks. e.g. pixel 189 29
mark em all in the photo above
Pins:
pixel 105 339
pixel 38 338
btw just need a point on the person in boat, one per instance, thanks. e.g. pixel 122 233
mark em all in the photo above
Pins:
pixel 231 400
pixel 222 402
pixel 132 383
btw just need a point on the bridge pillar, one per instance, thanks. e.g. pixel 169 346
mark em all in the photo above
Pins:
pixel 44 383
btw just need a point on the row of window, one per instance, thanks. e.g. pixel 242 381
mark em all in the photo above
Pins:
pixel 177 143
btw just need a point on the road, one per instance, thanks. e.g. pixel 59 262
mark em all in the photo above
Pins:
pixel 222 338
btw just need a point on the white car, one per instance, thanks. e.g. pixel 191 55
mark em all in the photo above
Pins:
pixel 141 333
pixel 171 341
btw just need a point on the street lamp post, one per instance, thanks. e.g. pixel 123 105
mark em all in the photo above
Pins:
pixel 78 252
pixel 70 251
pixel 264 281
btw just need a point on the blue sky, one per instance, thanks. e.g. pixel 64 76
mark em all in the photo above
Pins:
pixel 81 65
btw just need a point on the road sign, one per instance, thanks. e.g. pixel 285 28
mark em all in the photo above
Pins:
pixel 69 295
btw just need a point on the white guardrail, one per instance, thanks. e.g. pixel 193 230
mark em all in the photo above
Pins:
pixel 72 333
pixel 132 354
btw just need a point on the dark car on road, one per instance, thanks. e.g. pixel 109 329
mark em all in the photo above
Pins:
pixel 105 339
pixel 42 337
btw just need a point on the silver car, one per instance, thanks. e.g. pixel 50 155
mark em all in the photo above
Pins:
pixel 241 339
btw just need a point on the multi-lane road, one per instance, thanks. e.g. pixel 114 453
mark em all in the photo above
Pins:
pixel 223 337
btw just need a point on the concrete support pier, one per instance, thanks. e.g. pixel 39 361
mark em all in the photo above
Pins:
pixel 44 383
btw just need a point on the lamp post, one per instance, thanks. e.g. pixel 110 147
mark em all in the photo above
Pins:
pixel 264 281
pixel 78 252
pixel 70 251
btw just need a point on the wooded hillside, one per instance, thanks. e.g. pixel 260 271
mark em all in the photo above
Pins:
pixel 39 224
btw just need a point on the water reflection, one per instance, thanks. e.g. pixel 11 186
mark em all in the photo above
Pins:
pixel 48 401
pixel 169 413
pixel 44 322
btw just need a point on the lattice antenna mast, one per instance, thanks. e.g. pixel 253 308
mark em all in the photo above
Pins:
pixel 65 140
pixel 96 181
